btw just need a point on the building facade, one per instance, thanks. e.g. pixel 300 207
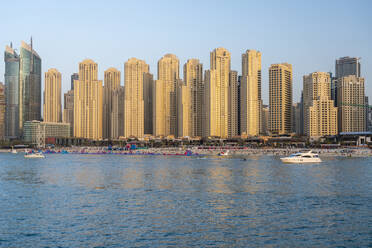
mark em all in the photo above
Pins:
pixel 351 104
pixel 74 76
pixel 216 94
pixel 117 114
pixel 68 110
pixel 112 82
pixel 250 99
pixel 233 104
pixel 280 98
pixel 11 77
pixel 52 96
pixel 2 111
pixel 29 85
pixel 193 79
pixel 148 88
pixel 347 66
pixel 134 119
pixel 320 114
pixel 36 132
pixel 164 96
pixel 184 111
pixel 88 102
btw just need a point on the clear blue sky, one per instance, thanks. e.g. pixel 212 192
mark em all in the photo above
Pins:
pixel 308 34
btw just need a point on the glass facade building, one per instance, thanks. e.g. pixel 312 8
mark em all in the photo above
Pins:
pixel 29 85
pixel 11 76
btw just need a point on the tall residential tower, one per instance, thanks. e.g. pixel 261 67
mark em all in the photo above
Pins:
pixel 250 90
pixel 280 95
pixel 88 102
pixel 52 96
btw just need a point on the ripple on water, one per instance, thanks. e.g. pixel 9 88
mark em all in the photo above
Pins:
pixel 143 201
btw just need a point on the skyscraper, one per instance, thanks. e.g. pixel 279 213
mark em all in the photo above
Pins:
pixel 233 104
pixel 320 114
pixel 134 118
pixel 88 102
pixel 29 84
pixel 112 82
pixel 11 76
pixel 164 96
pixel 280 95
pixel 193 79
pixel 347 66
pixel 148 88
pixel 251 102
pixel 184 112
pixel 117 114
pixel 351 104
pixel 74 76
pixel 52 96
pixel 216 96
pixel 2 111
pixel 68 110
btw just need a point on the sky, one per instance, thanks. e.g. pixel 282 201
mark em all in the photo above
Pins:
pixel 310 35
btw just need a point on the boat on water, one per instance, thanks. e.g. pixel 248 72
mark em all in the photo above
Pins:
pixel 14 151
pixel 34 155
pixel 224 153
pixel 302 157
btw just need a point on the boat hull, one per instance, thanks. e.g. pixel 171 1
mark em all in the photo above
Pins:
pixel 289 160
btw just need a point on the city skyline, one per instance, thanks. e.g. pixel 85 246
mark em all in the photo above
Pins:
pixel 306 53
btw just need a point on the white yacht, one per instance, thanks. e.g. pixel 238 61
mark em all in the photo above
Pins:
pixel 226 153
pixel 34 155
pixel 14 151
pixel 302 157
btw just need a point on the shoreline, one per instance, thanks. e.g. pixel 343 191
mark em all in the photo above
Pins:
pixel 195 151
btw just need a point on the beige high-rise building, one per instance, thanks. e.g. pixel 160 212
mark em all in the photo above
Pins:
pixel 134 120
pixel 233 104
pixel 320 114
pixel 193 79
pixel 117 114
pixel 184 111
pixel 112 82
pixel 68 110
pixel 52 96
pixel 351 104
pixel 148 88
pixel 2 111
pixel 250 90
pixel 216 94
pixel 164 96
pixel 88 102
pixel 280 95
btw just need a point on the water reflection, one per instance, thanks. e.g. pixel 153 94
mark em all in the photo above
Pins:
pixel 123 201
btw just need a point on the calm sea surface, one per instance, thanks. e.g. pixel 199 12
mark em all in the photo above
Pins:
pixel 154 201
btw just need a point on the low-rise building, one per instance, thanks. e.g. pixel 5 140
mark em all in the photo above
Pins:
pixel 36 132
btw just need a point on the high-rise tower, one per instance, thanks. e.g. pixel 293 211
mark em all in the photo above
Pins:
pixel 164 96
pixel 250 89
pixel 112 82
pixel 29 84
pixel 52 96
pixel 193 80
pixel 11 76
pixel 216 97
pixel 280 94
pixel 134 119
pixel 320 114
pixel 88 102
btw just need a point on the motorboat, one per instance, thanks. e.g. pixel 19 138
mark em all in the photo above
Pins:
pixel 302 157
pixel 226 153
pixel 14 151
pixel 34 155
